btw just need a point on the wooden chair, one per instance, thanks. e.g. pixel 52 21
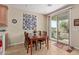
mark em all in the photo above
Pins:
pixel 44 38
pixel 27 42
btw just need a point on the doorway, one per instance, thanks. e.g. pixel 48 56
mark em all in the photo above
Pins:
pixel 60 27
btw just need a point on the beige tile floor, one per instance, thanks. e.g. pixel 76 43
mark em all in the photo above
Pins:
pixel 53 50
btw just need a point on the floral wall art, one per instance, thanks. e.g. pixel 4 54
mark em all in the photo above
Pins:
pixel 29 22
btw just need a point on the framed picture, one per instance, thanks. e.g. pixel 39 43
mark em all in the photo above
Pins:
pixel 29 22
pixel 76 22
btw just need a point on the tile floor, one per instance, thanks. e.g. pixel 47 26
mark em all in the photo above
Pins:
pixel 53 50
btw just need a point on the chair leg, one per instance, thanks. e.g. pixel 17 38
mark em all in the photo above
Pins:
pixel 31 49
pixel 47 44
pixel 35 46
pixel 27 49
pixel 40 44
pixel 45 41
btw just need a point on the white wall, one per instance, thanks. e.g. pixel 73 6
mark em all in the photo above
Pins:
pixel 74 29
pixel 15 31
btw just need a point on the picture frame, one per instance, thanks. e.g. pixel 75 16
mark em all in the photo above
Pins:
pixel 76 22
pixel 29 22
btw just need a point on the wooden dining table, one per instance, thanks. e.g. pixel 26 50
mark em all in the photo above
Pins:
pixel 36 39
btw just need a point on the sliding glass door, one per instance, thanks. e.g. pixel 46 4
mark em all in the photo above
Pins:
pixel 60 27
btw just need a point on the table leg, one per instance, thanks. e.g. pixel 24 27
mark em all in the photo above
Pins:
pixel 47 43
pixel 40 44
pixel 27 49
pixel 31 47
pixel 36 45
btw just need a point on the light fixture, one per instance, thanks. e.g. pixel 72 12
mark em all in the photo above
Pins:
pixel 49 5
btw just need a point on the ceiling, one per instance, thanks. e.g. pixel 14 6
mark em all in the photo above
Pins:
pixel 39 8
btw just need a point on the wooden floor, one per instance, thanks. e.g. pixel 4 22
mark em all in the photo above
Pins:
pixel 53 50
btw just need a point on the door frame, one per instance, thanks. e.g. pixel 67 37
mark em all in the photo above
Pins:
pixel 59 12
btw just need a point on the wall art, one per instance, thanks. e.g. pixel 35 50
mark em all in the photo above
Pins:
pixel 29 22
pixel 76 22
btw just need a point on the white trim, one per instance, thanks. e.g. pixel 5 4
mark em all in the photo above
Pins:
pixel 16 43
pixel 48 25
pixel 70 18
pixel 60 11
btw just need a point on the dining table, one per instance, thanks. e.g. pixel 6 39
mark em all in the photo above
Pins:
pixel 36 39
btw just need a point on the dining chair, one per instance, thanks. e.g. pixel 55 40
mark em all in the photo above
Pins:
pixel 27 42
pixel 44 38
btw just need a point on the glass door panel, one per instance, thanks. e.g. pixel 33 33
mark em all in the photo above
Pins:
pixel 63 27
pixel 54 28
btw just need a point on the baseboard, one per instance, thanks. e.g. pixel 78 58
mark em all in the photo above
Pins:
pixel 76 48
pixel 15 44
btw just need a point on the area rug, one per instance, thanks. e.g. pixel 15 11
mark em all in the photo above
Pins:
pixel 64 47
pixel 59 45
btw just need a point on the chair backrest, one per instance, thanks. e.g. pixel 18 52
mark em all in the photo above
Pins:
pixel 44 33
pixel 27 39
pixel 39 33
